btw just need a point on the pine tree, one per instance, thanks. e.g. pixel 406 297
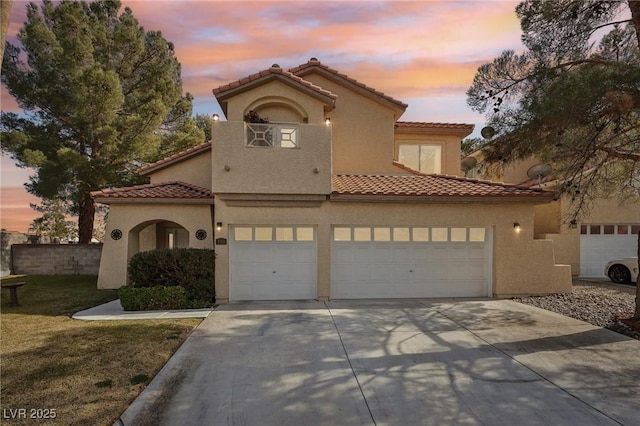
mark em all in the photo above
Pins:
pixel 99 95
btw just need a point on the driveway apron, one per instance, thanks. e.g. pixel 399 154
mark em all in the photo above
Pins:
pixel 401 362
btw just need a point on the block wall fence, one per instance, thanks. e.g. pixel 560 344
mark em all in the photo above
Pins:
pixel 55 259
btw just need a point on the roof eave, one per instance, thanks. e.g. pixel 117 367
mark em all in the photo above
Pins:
pixel 462 132
pixel 143 200
pixel 441 199
pixel 223 96
pixel 164 163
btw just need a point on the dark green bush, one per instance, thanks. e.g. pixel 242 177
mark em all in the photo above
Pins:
pixel 153 298
pixel 192 269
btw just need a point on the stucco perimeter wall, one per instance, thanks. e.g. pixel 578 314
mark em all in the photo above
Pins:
pixel 133 218
pixel 522 265
pixel 56 259
pixel 195 170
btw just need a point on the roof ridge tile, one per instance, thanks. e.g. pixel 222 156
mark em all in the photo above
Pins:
pixel 272 71
pixel 316 63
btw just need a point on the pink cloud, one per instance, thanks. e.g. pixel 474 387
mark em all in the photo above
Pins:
pixel 425 43
pixel 411 50
pixel 15 214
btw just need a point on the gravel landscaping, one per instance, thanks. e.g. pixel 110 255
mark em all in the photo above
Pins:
pixel 593 302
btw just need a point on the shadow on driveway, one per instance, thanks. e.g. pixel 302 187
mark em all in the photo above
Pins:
pixel 394 362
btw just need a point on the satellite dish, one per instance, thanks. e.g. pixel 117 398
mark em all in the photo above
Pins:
pixel 468 163
pixel 539 171
pixel 487 132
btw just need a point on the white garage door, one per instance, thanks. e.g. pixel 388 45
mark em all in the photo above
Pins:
pixel 272 263
pixel 406 262
pixel 601 243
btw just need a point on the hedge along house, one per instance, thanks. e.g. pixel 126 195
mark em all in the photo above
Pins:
pixel 312 189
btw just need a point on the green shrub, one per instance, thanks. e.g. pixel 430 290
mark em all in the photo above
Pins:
pixel 153 298
pixel 192 269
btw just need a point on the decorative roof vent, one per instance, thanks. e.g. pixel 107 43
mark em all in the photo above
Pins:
pixel 275 66
pixel 314 59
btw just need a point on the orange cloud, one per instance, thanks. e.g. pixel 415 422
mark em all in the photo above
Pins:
pixel 15 213
pixel 429 46
pixel 7 102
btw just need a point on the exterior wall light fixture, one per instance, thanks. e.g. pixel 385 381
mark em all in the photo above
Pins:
pixel 219 226
pixel 216 117
pixel 327 121
pixel 516 227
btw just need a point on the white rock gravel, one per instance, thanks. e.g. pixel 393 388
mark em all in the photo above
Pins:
pixel 595 302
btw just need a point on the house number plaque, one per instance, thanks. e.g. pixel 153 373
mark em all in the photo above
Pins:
pixel 221 241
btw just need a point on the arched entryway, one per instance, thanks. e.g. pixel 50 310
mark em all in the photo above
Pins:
pixel 157 234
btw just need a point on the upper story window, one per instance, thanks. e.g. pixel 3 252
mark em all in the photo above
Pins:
pixel 272 135
pixel 424 158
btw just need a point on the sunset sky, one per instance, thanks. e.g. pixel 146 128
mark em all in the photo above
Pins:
pixel 424 53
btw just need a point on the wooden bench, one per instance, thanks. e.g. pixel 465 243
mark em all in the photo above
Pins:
pixel 13 291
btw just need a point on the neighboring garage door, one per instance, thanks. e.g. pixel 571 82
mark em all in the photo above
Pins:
pixel 406 262
pixel 272 263
pixel 601 243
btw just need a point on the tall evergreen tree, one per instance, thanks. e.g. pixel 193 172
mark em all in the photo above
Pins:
pixel 572 98
pixel 99 96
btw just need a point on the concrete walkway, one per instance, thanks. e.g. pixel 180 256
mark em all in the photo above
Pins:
pixel 113 311
pixel 410 362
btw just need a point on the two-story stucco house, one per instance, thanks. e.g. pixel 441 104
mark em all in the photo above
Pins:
pixel 313 189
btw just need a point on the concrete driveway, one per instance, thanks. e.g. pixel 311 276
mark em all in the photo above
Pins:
pixel 403 362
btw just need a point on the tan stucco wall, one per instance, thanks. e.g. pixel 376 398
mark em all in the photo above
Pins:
pixel 195 170
pixel 611 210
pixel 275 92
pixel 522 265
pixel 566 246
pixel 517 172
pixel 133 218
pixel 548 218
pixel 257 170
pixel 362 131
pixel 278 112
pixel 450 146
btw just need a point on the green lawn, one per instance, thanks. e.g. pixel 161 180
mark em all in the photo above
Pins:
pixel 87 371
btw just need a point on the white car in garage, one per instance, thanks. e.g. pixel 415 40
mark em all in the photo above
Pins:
pixel 622 271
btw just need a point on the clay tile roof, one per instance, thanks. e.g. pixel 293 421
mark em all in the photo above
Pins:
pixel 229 89
pixel 432 186
pixel 159 192
pixel 180 156
pixel 304 69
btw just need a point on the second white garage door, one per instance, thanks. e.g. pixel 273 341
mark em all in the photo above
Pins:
pixel 272 263
pixel 601 243
pixel 409 262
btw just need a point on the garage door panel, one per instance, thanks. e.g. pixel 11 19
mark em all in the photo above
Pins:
pixel 272 270
pixel 406 269
pixel 597 248
pixel 439 251
pixel 342 252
